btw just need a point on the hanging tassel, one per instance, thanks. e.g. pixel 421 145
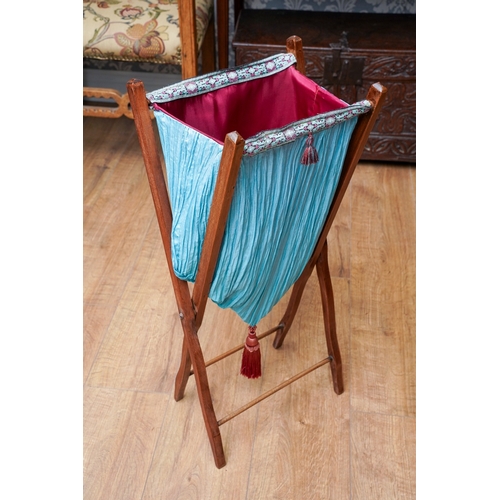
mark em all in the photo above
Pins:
pixel 310 155
pixel 250 364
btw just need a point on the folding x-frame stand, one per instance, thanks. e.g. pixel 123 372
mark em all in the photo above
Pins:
pixel 192 307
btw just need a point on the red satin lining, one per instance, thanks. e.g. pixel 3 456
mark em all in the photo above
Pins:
pixel 254 106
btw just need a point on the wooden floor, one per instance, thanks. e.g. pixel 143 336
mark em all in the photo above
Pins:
pixel 304 442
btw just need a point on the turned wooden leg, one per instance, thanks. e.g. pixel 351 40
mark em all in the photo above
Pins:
pixel 292 307
pixel 325 284
pixel 183 373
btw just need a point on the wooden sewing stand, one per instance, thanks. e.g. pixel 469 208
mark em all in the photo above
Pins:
pixel 192 307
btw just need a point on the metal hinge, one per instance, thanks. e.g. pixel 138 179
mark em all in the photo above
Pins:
pixel 340 69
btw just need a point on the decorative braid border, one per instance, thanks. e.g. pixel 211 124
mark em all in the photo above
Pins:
pixel 269 139
pixel 220 79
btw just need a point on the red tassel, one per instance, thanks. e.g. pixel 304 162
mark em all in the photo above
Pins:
pixel 310 154
pixel 250 364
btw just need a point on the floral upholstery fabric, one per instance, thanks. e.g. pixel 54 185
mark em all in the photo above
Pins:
pixel 138 30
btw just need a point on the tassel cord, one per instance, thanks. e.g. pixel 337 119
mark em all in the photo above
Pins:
pixel 251 359
pixel 310 155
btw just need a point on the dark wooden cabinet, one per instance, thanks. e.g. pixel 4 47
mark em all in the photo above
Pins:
pixel 346 53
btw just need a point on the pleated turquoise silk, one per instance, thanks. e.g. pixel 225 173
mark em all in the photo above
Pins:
pixel 278 210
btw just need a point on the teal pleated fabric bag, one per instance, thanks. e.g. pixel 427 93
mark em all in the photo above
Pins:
pixel 280 202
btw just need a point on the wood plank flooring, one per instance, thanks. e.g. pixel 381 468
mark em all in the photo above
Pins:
pixel 302 443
